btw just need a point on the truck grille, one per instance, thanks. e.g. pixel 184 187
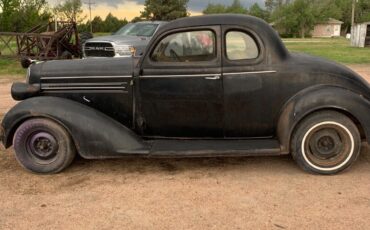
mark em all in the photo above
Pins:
pixel 99 49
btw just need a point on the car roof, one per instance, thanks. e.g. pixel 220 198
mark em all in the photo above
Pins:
pixel 216 19
pixel 263 29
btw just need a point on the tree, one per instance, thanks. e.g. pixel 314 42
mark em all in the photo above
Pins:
pixel 296 18
pixel 33 12
pixel 70 10
pixel 272 5
pixel 363 15
pixel 112 23
pixel 165 10
pixel 98 24
pixel 300 16
pixel 215 9
pixel 8 8
pixel 236 8
pixel 345 7
pixel 257 11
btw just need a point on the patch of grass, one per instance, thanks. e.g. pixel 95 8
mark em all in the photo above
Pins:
pixel 10 49
pixel 101 34
pixel 336 49
pixel 10 67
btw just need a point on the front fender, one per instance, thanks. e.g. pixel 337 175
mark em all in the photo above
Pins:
pixel 95 134
pixel 320 98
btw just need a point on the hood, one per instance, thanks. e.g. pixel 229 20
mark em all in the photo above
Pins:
pixel 80 68
pixel 122 39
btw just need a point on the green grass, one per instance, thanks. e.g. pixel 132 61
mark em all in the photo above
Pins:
pixel 336 49
pixel 10 67
pixel 99 34
pixel 5 50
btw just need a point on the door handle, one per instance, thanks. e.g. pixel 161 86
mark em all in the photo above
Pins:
pixel 216 77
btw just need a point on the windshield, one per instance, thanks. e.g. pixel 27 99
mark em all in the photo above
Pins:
pixel 138 29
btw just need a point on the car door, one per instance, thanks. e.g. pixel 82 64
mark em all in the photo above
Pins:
pixel 248 82
pixel 180 85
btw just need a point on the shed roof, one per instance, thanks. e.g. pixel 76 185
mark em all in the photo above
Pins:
pixel 333 21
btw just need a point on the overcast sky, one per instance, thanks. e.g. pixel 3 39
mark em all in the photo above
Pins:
pixel 131 8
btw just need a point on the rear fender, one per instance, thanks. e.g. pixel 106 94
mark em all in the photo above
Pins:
pixel 95 134
pixel 321 98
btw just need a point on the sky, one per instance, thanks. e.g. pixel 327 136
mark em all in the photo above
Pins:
pixel 131 8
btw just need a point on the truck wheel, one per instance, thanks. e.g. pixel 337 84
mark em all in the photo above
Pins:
pixel 326 142
pixel 43 146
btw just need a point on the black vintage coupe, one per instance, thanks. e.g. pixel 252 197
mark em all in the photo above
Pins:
pixel 207 86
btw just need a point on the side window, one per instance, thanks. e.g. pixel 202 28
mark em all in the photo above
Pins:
pixel 240 46
pixel 191 46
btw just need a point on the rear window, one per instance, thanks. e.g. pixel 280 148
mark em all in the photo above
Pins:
pixel 240 46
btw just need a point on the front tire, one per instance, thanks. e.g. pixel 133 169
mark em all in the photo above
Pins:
pixel 326 142
pixel 43 146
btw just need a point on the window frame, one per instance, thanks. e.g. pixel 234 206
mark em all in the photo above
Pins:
pixel 241 32
pixel 249 62
pixel 147 61
pixel 190 31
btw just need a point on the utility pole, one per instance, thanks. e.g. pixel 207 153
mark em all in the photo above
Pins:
pixel 90 3
pixel 353 13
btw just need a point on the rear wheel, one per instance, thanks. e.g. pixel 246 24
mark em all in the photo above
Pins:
pixel 326 142
pixel 43 146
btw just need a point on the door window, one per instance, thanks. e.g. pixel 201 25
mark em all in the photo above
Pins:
pixel 240 46
pixel 192 46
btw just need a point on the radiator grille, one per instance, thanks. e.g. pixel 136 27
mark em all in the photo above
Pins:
pixel 99 49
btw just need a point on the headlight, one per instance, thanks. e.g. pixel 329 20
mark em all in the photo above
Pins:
pixel 28 74
pixel 123 50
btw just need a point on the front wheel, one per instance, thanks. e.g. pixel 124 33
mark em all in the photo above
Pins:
pixel 43 146
pixel 326 142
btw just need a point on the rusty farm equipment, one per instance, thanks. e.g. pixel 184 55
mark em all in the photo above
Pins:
pixel 50 41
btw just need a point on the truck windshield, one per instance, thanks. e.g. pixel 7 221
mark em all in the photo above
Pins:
pixel 138 29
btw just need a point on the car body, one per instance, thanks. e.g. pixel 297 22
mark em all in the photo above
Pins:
pixel 133 35
pixel 206 86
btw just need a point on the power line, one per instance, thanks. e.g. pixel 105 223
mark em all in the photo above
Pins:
pixel 90 3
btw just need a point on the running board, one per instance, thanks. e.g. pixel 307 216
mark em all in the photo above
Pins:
pixel 214 148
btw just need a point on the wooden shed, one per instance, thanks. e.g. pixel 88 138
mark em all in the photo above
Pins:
pixel 360 36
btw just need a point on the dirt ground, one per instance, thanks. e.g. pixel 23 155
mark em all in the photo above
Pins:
pixel 239 193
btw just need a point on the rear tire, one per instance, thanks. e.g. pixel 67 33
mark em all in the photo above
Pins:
pixel 326 142
pixel 43 146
